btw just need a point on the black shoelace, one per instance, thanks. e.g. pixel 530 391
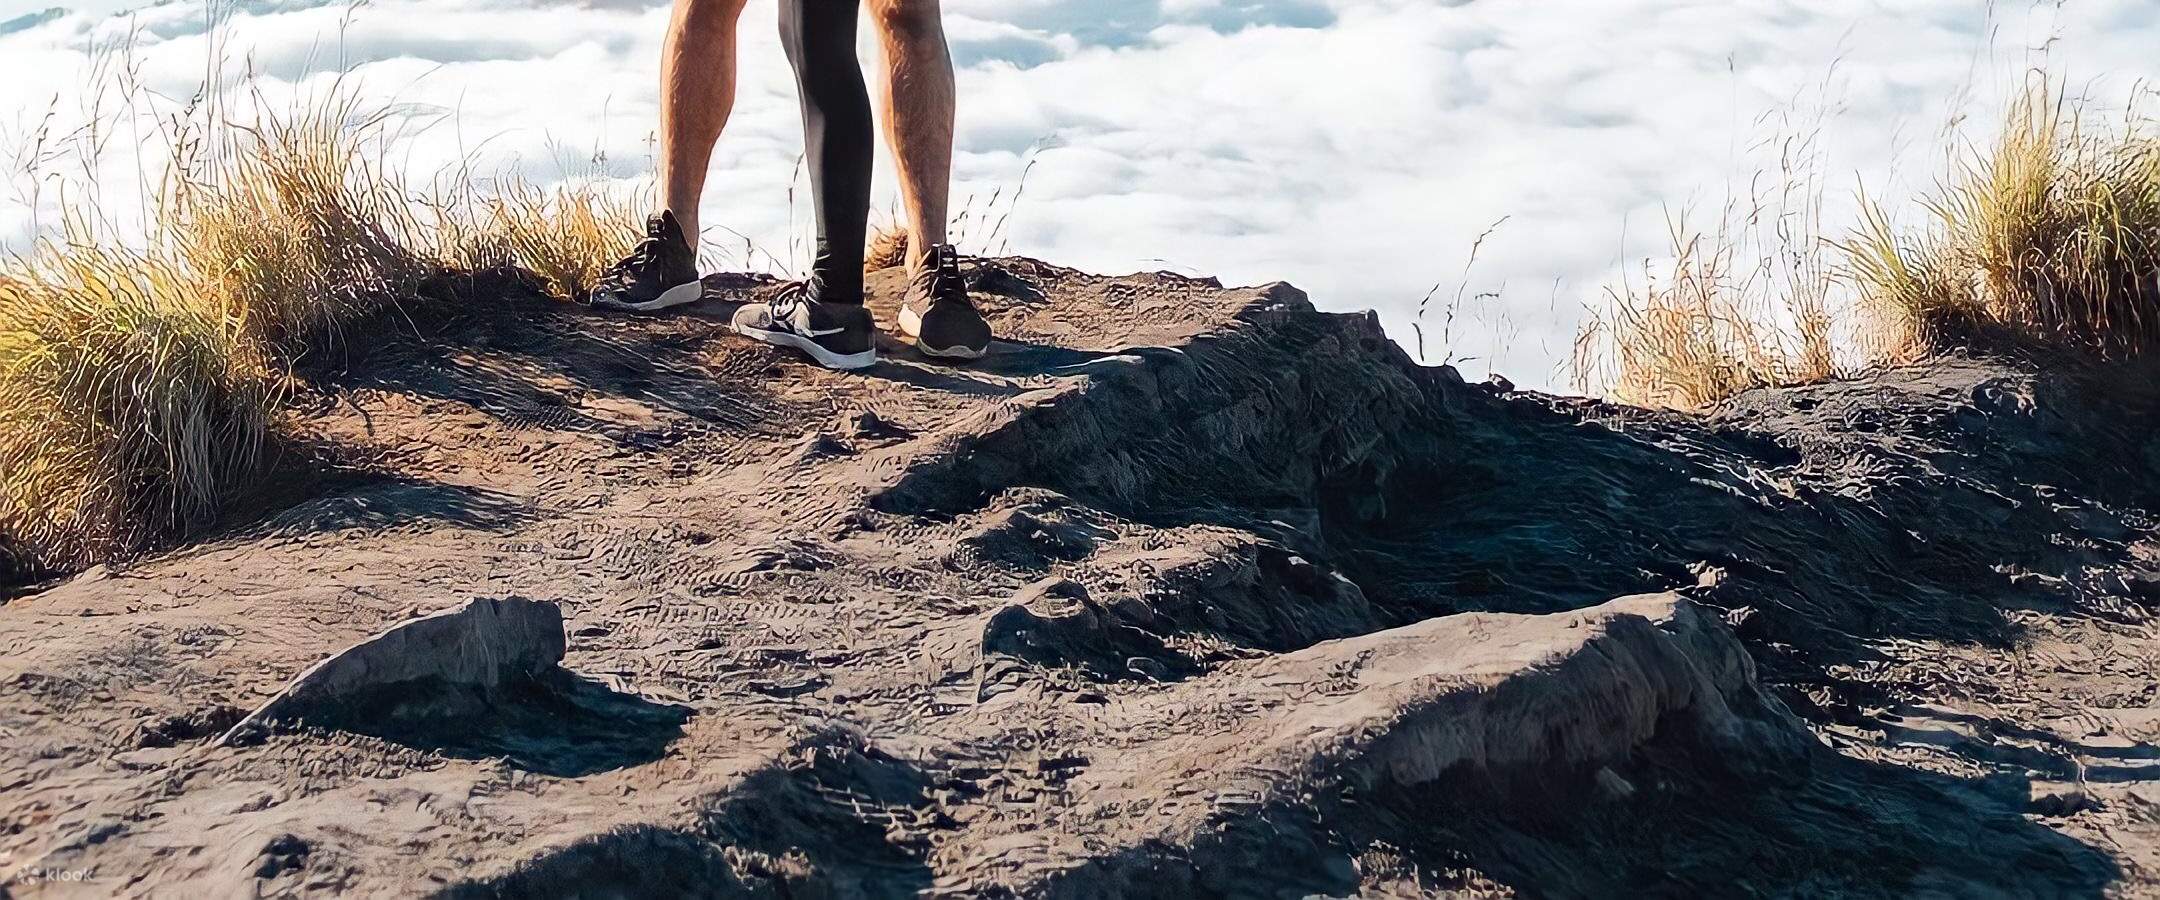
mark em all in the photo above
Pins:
pixel 789 296
pixel 644 255
pixel 945 265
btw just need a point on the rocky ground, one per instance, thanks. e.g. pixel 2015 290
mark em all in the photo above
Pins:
pixel 1184 591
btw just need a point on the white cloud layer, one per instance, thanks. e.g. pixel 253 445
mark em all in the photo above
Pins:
pixel 1356 148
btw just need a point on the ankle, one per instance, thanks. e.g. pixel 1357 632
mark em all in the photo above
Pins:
pixel 687 221
pixel 833 280
pixel 840 292
pixel 928 257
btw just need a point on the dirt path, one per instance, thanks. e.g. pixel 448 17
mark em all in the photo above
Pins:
pixel 1184 590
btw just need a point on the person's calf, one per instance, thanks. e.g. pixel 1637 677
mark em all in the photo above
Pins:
pixel 697 94
pixel 920 104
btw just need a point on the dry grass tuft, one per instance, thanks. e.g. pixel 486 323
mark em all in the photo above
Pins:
pixel 567 235
pixel 1708 328
pixel 2050 237
pixel 888 248
pixel 141 381
pixel 129 406
pixel 290 229
pixel 1750 303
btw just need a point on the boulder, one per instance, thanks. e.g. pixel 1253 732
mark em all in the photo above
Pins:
pixel 483 644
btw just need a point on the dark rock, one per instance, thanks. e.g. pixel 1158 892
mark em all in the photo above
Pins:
pixel 869 425
pixel 2059 800
pixel 1054 622
pixel 168 730
pixel 284 853
pixel 483 644
pixel 1034 535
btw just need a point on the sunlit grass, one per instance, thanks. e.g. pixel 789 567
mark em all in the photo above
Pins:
pixel 141 381
pixel 292 229
pixel 1748 302
pixel 130 403
pixel 2047 238
pixel 567 235
pixel 1708 327
pixel 2050 237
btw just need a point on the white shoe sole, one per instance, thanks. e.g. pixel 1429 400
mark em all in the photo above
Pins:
pixel 911 325
pixel 824 357
pixel 678 295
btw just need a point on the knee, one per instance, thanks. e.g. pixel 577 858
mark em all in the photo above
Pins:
pixel 708 15
pixel 908 19
pixel 820 27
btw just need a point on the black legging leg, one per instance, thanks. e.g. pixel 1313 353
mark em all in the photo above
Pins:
pixel 820 39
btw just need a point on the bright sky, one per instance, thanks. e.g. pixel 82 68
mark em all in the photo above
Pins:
pixel 1357 148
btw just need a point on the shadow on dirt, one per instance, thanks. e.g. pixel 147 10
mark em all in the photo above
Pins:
pixel 18 575
pixel 1673 821
pixel 1820 533
pixel 821 824
pixel 915 372
pixel 310 489
pixel 491 342
pixel 901 364
pixel 1689 826
pixel 379 501
pixel 560 724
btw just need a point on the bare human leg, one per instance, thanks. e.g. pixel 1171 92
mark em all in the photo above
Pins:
pixel 920 101
pixel 920 104
pixel 697 94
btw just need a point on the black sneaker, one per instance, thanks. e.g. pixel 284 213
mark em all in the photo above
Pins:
pixel 836 335
pixel 936 312
pixel 660 273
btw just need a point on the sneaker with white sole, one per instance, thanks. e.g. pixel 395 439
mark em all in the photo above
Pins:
pixel 661 272
pixel 834 335
pixel 937 313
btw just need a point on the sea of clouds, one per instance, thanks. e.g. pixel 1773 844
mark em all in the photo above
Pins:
pixel 1356 148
